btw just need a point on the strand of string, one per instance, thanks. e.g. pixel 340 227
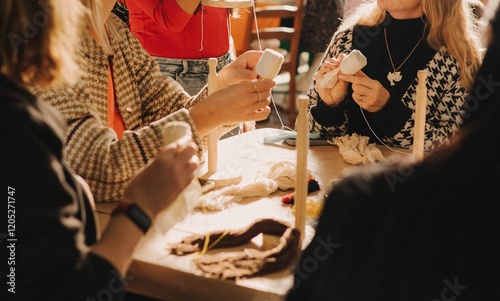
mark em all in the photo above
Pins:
pixel 283 127
pixel 207 247
pixel 202 27
pixel 373 132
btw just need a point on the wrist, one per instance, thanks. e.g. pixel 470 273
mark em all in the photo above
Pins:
pixel 203 118
pixel 336 99
pixel 331 104
pixel 134 213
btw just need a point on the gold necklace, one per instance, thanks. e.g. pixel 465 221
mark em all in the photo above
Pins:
pixel 395 76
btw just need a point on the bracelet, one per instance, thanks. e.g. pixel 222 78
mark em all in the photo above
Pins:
pixel 135 214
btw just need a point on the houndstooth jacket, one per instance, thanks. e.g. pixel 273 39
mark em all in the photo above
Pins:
pixel 445 104
pixel 147 103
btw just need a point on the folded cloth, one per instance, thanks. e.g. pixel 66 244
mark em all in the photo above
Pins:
pixel 355 149
pixel 277 175
pixel 250 261
pixel 329 79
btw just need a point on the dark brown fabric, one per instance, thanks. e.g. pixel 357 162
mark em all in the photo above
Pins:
pixel 321 19
pixel 250 261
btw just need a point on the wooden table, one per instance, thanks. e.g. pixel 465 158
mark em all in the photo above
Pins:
pixel 156 273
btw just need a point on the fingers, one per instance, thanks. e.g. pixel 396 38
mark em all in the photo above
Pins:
pixel 260 85
pixel 327 66
pixel 332 63
pixel 261 114
pixel 361 85
pixel 371 96
pixel 182 154
pixel 249 59
pixel 261 89
pixel 161 181
pixel 242 69
pixel 182 149
pixel 258 99
pixel 361 99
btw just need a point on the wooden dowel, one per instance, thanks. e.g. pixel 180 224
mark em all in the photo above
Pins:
pixel 420 112
pixel 213 136
pixel 302 147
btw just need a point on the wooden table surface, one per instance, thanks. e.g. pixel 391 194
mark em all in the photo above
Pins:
pixel 156 273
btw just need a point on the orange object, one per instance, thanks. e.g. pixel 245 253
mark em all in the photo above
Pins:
pixel 115 120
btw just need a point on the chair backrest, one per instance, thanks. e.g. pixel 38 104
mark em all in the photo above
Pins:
pixel 282 33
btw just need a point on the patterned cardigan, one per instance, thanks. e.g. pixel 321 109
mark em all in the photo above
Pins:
pixel 445 102
pixel 146 100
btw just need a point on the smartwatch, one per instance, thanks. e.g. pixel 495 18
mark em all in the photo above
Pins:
pixel 135 214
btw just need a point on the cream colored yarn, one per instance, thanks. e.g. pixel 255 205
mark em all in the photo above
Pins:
pixel 276 175
pixel 356 150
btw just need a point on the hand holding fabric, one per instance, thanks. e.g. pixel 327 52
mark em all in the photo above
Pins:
pixel 242 69
pixel 161 182
pixel 331 95
pixel 246 101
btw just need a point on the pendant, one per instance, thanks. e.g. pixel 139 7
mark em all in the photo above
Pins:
pixel 394 77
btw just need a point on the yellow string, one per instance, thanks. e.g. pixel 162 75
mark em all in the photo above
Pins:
pixel 205 244
pixel 207 247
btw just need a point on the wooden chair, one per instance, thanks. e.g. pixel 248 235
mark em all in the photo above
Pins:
pixel 291 34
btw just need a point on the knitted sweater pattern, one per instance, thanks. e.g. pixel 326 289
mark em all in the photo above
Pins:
pixel 445 99
pixel 146 101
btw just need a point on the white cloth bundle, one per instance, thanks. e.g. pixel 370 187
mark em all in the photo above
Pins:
pixel 185 202
pixel 279 175
pixel 269 64
pixel 351 64
pixel 356 150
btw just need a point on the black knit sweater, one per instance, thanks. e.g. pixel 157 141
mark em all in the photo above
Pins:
pixel 402 36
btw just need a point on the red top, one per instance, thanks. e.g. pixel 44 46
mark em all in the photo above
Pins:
pixel 164 29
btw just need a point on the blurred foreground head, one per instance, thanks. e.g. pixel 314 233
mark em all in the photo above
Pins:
pixel 430 234
pixel 485 96
pixel 37 40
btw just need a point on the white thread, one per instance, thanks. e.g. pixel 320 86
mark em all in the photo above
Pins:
pixel 202 23
pixel 373 132
pixel 283 127
pixel 256 25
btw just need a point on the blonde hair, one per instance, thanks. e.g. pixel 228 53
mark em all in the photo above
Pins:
pixel 38 41
pixel 450 23
pixel 98 25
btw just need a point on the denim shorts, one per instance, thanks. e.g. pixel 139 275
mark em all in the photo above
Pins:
pixel 191 74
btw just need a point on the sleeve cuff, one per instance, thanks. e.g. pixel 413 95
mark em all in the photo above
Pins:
pixel 392 117
pixel 329 116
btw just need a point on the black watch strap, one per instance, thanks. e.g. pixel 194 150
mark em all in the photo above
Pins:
pixel 135 214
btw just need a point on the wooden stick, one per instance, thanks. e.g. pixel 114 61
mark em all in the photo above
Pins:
pixel 213 136
pixel 302 147
pixel 420 112
pixel 220 179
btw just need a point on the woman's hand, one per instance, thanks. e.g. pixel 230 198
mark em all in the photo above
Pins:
pixel 367 92
pixel 246 101
pixel 161 182
pixel 153 189
pixel 331 96
pixel 242 69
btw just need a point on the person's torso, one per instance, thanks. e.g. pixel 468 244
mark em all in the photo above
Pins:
pixel 206 34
